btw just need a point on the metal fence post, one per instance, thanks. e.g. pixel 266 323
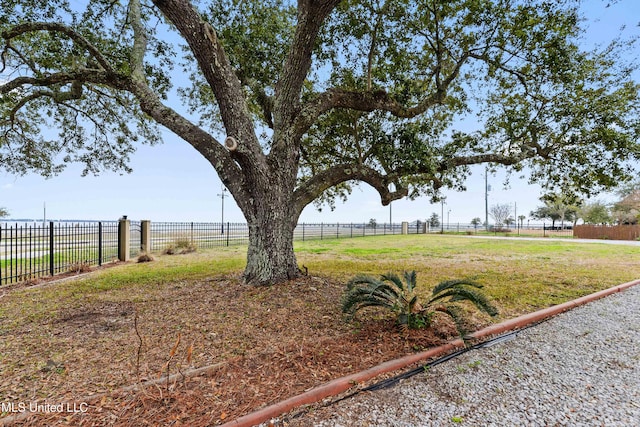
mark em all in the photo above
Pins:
pixel 100 243
pixel 51 251
pixel 227 233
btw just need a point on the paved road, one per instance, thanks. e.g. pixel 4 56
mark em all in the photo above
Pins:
pixel 559 239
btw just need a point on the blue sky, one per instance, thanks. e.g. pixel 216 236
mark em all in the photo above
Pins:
pixel 172 182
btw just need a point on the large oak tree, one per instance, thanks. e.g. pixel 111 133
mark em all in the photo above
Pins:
pixel 293 103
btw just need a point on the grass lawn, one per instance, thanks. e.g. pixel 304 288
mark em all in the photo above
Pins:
pixel 70 340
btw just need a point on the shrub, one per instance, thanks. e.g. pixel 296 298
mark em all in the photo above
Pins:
pixel 79 267
pixel 392 293
pixel 145 257
pixel 182 245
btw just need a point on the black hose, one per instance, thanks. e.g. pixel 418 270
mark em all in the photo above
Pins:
pixel 389 382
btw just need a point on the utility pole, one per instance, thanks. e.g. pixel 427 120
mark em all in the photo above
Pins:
pixel 390 216
pixel 486 198
pixel 222 195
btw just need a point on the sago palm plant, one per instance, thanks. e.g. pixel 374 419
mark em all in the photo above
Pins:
pixel 399 296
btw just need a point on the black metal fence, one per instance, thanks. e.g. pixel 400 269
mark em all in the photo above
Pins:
pixel 205 235
pixel 30 251
pixel 348 230
pixel 165 235
pixel 522 230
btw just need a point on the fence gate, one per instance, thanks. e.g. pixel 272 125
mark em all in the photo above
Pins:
pixel 136 238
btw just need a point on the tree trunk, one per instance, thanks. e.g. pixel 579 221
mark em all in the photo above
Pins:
pixel 270 257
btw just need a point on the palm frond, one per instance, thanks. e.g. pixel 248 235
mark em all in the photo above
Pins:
pixel 471 295
pixel 455 283
pixel 379 294
pixel 413 301
pixel 410 278
pixel 457 315
pixel 362 304
pixel 379 298
pixel 393 278
pixel 361 279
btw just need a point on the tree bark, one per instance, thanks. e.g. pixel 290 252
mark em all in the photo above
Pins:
pixel 270 256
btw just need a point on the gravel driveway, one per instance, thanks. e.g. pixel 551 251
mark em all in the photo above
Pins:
pixel 580 368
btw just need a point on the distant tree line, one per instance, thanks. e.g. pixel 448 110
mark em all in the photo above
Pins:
pixel 568 210
pixel 625 211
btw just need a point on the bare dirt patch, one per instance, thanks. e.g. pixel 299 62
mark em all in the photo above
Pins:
pixel 96 318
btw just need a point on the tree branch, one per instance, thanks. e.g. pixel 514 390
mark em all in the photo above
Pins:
pixel 58 97
pixel 264 101
pixel 28 27
pixel 374 100
pixel 374 42
pixel 382 101
pixel 322 180
pixel 216 68
pixel 93 76
pixel 311 16
pixel 204 143
pixel 361 101
pixel 136 84
pixel 309 190
pixel 506 160
pixel 139 41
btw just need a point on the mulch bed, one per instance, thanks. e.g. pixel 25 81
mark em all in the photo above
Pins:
pixel 268 344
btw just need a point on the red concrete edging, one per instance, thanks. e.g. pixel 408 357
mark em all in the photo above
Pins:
pixel 343 384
